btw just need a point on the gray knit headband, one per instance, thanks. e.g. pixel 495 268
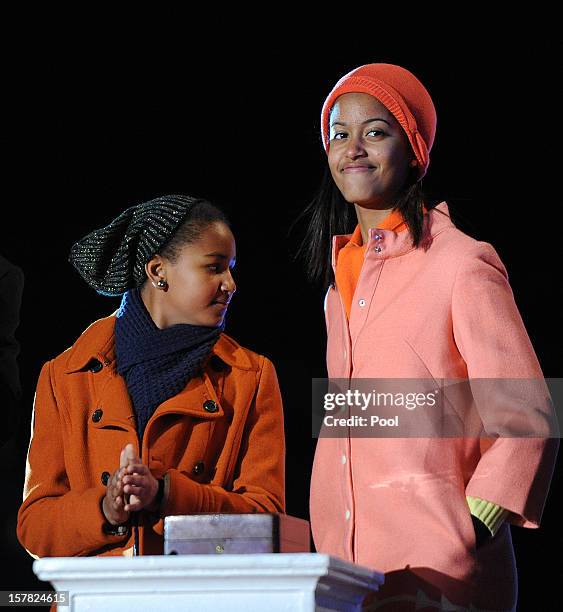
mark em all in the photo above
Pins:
pixel 112 259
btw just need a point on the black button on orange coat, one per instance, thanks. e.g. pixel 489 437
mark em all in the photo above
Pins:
pixel 97 415
pixel 95 366
pixel 210 406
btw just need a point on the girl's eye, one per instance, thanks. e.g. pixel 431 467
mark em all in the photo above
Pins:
pixel 213 267
pixel 341 135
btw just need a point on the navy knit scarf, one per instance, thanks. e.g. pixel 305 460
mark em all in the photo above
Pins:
pixel 157 363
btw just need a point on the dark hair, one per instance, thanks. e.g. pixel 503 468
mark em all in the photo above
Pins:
pixel 201 215
pixel 331 214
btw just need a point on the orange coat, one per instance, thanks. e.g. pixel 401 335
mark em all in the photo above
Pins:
pixel 230 460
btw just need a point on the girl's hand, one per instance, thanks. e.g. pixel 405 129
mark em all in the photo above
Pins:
pixel 140 485
pixel 113 504
pixel 129 457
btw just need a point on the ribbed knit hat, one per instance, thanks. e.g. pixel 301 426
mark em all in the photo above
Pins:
pixel 112 259
pixel 402 94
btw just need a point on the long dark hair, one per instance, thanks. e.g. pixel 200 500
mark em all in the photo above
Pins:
pixel 331 214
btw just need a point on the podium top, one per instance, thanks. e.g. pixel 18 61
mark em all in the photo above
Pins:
pixel 110 568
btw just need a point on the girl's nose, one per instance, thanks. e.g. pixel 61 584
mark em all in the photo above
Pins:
pixel 355 146
pixel 228 283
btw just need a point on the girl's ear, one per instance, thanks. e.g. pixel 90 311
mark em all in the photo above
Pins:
pixel 155 269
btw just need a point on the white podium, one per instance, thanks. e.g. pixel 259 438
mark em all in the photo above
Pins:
pixel 288 582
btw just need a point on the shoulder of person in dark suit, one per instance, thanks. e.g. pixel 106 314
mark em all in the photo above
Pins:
pixel 11 290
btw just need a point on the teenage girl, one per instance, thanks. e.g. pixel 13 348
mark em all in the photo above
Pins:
pixel 412 297
pixel 154 410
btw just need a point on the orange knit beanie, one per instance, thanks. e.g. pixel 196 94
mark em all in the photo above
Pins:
pixel 402 94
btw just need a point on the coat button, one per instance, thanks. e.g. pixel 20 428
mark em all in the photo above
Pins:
pixel 97 415
pixel 210 406
pixel 198 468
pixel 105 478
pixel 378 236
pixel 377 249
pixel 362 303
pixel 95 365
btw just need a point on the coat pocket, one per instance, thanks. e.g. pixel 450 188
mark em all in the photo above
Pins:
pixel 417 353
pixel 455 406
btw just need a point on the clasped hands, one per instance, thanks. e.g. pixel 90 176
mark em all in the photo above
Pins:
pixel 131 488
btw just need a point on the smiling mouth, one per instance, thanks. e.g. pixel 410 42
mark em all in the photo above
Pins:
pixel 358 169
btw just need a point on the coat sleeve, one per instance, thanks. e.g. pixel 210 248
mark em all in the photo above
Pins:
pixel 54 520
pixel 517 461
pixel 259 481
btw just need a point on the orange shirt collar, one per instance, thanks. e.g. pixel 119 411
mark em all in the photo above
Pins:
pixel 393 221
pixel 350 257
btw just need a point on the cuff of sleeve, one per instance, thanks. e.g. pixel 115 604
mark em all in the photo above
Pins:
pixel 112 530
pixel 489 513
pixel 181 495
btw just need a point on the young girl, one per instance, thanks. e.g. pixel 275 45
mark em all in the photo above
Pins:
pixel 154 410
pixel 412 297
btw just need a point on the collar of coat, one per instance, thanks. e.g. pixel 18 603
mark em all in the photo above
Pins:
pixel 392 243
pixel 98 342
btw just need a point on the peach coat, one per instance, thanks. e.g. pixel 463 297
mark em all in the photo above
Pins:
pixel 398 505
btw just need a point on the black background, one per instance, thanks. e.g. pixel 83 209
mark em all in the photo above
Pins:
pixel 89 131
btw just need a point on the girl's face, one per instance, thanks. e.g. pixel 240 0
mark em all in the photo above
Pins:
pixel 200 283
pixel 369 152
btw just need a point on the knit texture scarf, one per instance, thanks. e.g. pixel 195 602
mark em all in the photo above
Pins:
pixel 157 363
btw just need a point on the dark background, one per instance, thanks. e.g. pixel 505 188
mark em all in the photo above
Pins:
pixel 88 133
